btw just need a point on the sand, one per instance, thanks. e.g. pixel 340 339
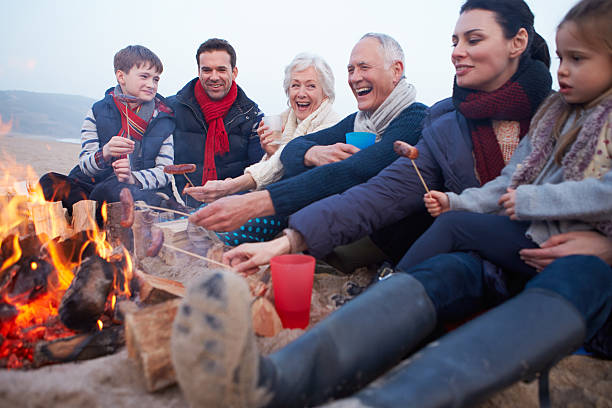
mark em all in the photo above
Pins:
pixel 41 154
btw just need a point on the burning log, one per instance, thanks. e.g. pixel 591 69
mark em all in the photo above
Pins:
pixel 147 335
pixel 85 300
pixel 79 347
pixel 84 215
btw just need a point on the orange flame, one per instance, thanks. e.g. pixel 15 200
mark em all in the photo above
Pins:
pixel 100 324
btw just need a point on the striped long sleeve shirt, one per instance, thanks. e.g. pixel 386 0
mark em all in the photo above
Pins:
pixel 92 162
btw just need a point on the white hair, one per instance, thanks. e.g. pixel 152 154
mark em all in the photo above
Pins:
pixel 304 61
pixel 392 51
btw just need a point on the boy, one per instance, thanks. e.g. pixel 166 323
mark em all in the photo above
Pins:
pixel 126 139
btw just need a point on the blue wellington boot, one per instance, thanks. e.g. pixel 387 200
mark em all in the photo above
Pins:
pixel 520 338
pixel 217 363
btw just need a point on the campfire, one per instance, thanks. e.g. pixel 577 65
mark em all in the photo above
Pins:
pixel 40 254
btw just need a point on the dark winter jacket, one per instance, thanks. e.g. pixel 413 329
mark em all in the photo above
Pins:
pixel 445 161
pixel 240 123
pixel 108 124
pixel 303 185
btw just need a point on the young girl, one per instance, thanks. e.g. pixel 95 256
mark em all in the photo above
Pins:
pixel 559 178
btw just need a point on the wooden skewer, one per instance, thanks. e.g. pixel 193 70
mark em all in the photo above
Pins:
pixel 192 185
pixel 419 174
pixel 197 256
pixel 152 207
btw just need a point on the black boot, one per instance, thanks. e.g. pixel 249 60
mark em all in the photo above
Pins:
pixel 524 336
pixel 217 363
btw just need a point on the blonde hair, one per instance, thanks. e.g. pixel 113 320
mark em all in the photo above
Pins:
pixel 591 19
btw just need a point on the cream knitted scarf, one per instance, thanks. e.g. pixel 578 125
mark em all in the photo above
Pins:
pixel 399 99
pixel 294 128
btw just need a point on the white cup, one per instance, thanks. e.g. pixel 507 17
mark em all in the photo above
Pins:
pixel 273 122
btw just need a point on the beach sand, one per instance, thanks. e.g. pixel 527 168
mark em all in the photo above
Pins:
pixel 41 154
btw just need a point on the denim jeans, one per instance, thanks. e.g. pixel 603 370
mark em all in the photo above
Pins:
pixel 496 238
pixel 455 285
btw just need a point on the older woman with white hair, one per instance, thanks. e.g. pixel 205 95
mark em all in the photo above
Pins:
pixel 309 85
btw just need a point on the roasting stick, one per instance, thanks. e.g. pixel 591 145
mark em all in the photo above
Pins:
pixel 411 152
pixel 152 207
pixel 197 256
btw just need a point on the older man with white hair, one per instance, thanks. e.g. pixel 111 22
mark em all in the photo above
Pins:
pixel 322 163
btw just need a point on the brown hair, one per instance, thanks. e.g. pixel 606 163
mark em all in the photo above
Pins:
pixel 591 19
pixel 136 55
pixel 217 44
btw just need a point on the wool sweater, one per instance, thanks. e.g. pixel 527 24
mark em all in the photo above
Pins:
pixel 553 204
pixel 270 169
pixel 304 185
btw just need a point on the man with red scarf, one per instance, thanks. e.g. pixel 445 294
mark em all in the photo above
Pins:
pixel 215 121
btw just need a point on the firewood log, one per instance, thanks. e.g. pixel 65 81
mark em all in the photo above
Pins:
pixel 148 342
pixel 84 215
pixel 155 289
pixel 266 321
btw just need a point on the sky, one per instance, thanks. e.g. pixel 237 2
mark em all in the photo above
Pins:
pixel 67 46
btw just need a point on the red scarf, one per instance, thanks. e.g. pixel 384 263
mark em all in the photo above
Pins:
pixel 216 138
pixel 131 124
pixel 516 100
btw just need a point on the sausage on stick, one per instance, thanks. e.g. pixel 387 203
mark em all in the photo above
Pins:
pixel 181 169
pixel 406 150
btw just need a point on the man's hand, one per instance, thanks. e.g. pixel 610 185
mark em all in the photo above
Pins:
pixel 570 243
pixel 508 201
pixel 247 258
pixel 229 213
pixel 123 171
pixel 321 155
pixel 211 191
pixel 436 202
pixel 117 146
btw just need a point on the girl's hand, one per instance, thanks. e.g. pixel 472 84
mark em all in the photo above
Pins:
pixel 436 202
pixel 508 201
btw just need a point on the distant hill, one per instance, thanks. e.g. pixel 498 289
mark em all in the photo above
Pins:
pixel 46 114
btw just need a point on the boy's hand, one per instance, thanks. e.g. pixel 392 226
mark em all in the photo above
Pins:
pixel 436 202
pixel 123 171
pixel 508 201
pixel 117 146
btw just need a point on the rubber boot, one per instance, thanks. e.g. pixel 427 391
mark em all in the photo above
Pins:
pixel 524 336
pixel 217 363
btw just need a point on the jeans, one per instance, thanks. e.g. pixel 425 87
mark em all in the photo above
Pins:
pixel 495 238
pixel 454 283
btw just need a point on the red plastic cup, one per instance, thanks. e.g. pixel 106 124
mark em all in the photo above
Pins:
pixel 292 277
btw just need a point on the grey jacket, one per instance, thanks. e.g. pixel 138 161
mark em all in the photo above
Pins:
pixel 552 204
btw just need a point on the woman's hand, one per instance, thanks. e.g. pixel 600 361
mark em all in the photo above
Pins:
pixel 508 201
pixel 212 190
pixel 268 138
pixel 570 243
pixel 247 258
pixel 123 171
pixel 436 202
